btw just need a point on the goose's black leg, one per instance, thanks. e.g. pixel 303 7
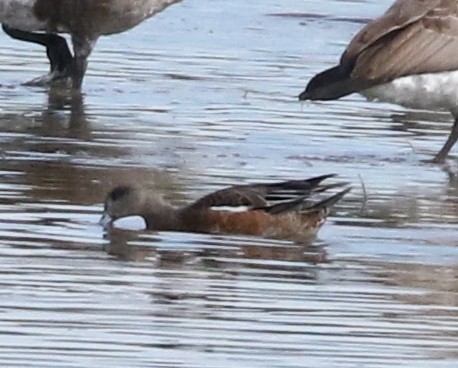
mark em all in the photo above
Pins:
pixel 452 138
pixel 59 55
pixel 82 48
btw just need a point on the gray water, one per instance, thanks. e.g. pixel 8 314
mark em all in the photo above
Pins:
pixel 198 98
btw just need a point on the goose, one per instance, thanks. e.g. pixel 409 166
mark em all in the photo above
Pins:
pixel 40 21
pixel 408 56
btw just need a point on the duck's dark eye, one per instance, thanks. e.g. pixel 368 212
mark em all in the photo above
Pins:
pixel 119 192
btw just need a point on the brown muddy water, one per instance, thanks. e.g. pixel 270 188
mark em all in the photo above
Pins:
pixel 200 97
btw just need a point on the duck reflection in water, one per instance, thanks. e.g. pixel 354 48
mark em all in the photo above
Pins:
pixel 173 250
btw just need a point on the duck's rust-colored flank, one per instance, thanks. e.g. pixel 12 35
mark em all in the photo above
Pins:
pixel 414 37
pixel 279 210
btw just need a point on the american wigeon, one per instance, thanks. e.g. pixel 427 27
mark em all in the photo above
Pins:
pixel 408 56
pixel 84 20
pixel 278 210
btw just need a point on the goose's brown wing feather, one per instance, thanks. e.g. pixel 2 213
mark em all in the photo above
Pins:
pixel 401 14
pixel 426 45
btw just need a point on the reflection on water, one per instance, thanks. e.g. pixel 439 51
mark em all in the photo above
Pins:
pixel 202 97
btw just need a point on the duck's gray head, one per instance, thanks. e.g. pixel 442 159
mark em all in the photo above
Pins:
pixel 123 201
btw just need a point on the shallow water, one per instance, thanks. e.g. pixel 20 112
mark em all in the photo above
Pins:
pixel 203 96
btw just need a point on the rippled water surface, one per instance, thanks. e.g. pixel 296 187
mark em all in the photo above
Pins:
pixel 200 97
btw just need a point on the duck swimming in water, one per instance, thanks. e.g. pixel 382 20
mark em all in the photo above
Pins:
pixel 282 210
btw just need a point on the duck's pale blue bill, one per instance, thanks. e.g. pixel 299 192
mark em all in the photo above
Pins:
pixel 105 220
